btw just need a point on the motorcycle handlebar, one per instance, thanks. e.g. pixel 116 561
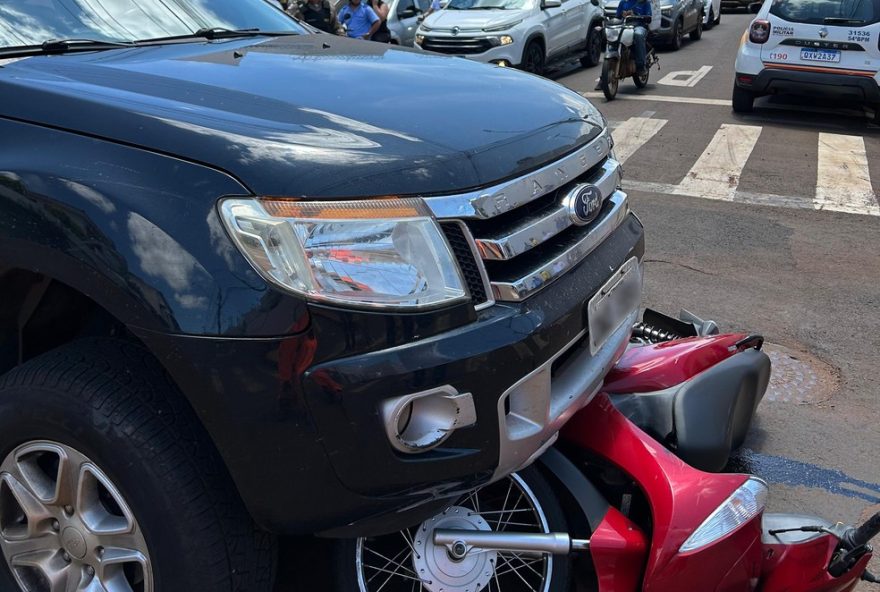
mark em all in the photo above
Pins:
pixel 867 531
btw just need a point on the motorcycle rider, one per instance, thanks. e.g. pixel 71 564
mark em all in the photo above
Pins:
pixel 360 20
pixel 641 8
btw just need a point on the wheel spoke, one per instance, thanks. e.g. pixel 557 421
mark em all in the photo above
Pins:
pixel 100 505
pixel 397 562
pixel 38 517
pixel 515 570
pixel 113 558
pixel 527 564
pixel 47 562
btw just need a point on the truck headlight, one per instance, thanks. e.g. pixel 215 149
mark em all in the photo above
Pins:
pixel 371 253
pixel 505 39
pixel 420 39
pixel 744 504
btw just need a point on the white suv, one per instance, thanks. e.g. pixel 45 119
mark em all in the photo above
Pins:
pixel 524 33
pixel 811 47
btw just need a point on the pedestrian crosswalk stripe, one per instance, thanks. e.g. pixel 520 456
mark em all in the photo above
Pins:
pixel 630 135
pixel 716 173
pixel 662 99
pixel 843 180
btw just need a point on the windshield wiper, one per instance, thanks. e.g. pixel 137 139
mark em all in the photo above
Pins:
pixel 64 45
pixel 56 46
pixel 837 20
pixel 220 33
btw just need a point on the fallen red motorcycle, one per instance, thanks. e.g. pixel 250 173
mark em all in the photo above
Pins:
pixel 614 506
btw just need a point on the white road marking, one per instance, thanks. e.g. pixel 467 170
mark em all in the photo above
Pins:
pixel 632 134
pixel 716 173
pixel 688 78
pixel 843 176
pixel 661 98
pixel 843 181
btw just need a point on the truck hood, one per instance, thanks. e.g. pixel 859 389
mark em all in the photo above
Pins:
pixel 312 115
pixel 473 20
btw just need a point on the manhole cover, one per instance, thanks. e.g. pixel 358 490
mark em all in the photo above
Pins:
pixel 798 377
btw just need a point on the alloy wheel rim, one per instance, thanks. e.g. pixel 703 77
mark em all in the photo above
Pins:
pixel 64 526
pixel 394 563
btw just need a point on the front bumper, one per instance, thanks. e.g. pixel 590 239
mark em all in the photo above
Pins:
pixel 863 89
pixel 306 445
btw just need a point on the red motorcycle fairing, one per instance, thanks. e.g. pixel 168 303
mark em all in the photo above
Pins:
pixel 800 567
pixel 618 548
pixel 664 365
pixel 680 497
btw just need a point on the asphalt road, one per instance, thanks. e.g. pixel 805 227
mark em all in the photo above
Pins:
pixel 787 245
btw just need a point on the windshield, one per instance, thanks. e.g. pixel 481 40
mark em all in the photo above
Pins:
pixel 31 22
pixel 489 4
pixel 854 12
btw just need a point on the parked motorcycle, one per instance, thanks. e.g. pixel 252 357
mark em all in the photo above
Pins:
pixel 613 507
pixel 619 62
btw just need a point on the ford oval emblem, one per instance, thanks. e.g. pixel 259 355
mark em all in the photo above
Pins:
pixel 584 202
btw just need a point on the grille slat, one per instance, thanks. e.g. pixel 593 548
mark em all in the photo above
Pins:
pixel 525 239
pixel 456 45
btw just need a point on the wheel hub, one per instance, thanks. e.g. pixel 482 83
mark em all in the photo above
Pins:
pixel 74 542
pixel 456 570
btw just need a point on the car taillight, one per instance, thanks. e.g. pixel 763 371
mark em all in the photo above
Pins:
pixel 759 32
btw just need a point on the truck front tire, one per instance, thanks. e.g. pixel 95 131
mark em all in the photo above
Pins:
pixel 100 419
pixel 595 45
pixel 533 58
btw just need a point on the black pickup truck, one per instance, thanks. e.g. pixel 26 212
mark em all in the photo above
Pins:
pixel 257 281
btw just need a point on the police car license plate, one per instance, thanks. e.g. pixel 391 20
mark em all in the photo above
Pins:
pixel 609 308
pixel 820 55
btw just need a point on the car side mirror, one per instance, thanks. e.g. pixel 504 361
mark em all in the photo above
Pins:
pixel 755 7
pixel 551 4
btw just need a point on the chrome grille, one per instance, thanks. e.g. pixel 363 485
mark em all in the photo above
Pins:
pixel 521 231
pixel 457 45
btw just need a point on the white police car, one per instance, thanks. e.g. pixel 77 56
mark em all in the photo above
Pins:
pixel 811 47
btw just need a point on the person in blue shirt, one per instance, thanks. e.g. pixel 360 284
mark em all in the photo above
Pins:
pixel 640 8
pixel 359 19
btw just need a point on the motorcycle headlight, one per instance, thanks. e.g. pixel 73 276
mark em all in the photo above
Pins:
pixel 744 504
pixel 370 253
pixel 612 34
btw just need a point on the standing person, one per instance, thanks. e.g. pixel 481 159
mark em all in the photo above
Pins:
pixel 381 8
pixel 435 6
pixel 360 20
pixel 317 13
pixel 640 8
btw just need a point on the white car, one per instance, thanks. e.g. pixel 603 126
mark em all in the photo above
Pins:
pixel 711 13
pixel 524 33
pixel 825 48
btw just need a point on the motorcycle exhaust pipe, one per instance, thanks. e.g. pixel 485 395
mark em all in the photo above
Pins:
pixel 461 542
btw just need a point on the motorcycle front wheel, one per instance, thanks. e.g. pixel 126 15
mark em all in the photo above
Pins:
pixel 609 80
pixel 409 561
